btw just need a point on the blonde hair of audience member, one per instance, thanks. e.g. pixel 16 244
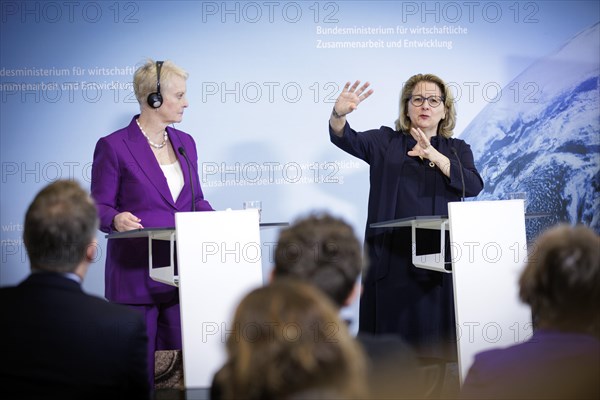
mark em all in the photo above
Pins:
pixel 561 281
pixel 288 342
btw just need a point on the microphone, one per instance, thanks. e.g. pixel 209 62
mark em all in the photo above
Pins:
pixel 462 177
pixel 181 151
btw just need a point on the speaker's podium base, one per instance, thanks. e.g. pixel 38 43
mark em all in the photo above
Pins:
pixel 488 251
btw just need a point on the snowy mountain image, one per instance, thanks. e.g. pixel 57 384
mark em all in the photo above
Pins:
pixel 544 138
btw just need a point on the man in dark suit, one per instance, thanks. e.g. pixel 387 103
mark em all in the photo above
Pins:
pixel 56 341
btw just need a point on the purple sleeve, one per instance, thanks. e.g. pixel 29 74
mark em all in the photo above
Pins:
pixel 105 183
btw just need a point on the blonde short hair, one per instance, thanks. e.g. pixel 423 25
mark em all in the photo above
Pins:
pixel 446 126
pixel 145 78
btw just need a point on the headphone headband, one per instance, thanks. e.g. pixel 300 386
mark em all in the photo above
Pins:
pixel 155 99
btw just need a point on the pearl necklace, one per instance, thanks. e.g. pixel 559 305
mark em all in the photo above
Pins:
pixel 150 142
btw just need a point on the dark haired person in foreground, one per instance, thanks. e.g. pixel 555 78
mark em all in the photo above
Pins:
pixel 561 283
pixel 324 251
pixel 57 342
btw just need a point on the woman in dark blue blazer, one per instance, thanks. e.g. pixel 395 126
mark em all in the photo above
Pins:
pixel 415 170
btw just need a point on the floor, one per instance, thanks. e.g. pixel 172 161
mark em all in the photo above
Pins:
pixel 451 386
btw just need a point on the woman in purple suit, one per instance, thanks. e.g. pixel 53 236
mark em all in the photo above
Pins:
pixel 140 179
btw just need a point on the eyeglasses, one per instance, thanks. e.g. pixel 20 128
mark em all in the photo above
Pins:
pixel 433 101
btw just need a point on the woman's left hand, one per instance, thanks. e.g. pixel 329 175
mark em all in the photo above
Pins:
pixel 423 148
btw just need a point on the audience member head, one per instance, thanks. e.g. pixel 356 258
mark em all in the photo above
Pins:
pixel 561 281
pixel 322 250
pixel 145 78
pixel 288 342
pixel 60 228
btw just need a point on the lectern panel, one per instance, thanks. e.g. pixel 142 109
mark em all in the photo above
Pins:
pixel 219 262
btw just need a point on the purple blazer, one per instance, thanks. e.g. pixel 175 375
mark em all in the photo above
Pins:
pixel 127 177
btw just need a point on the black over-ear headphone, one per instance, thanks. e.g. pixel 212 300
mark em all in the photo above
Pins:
pixel 155 99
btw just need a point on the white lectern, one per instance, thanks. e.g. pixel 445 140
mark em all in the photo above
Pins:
pixel 488 250
pixel 219 261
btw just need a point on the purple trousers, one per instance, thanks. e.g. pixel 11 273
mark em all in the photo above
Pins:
pixel 163 326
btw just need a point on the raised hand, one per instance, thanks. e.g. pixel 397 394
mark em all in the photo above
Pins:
pixel 350 98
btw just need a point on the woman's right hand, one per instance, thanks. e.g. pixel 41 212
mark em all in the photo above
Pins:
pixel 351 97
pixel 126 221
